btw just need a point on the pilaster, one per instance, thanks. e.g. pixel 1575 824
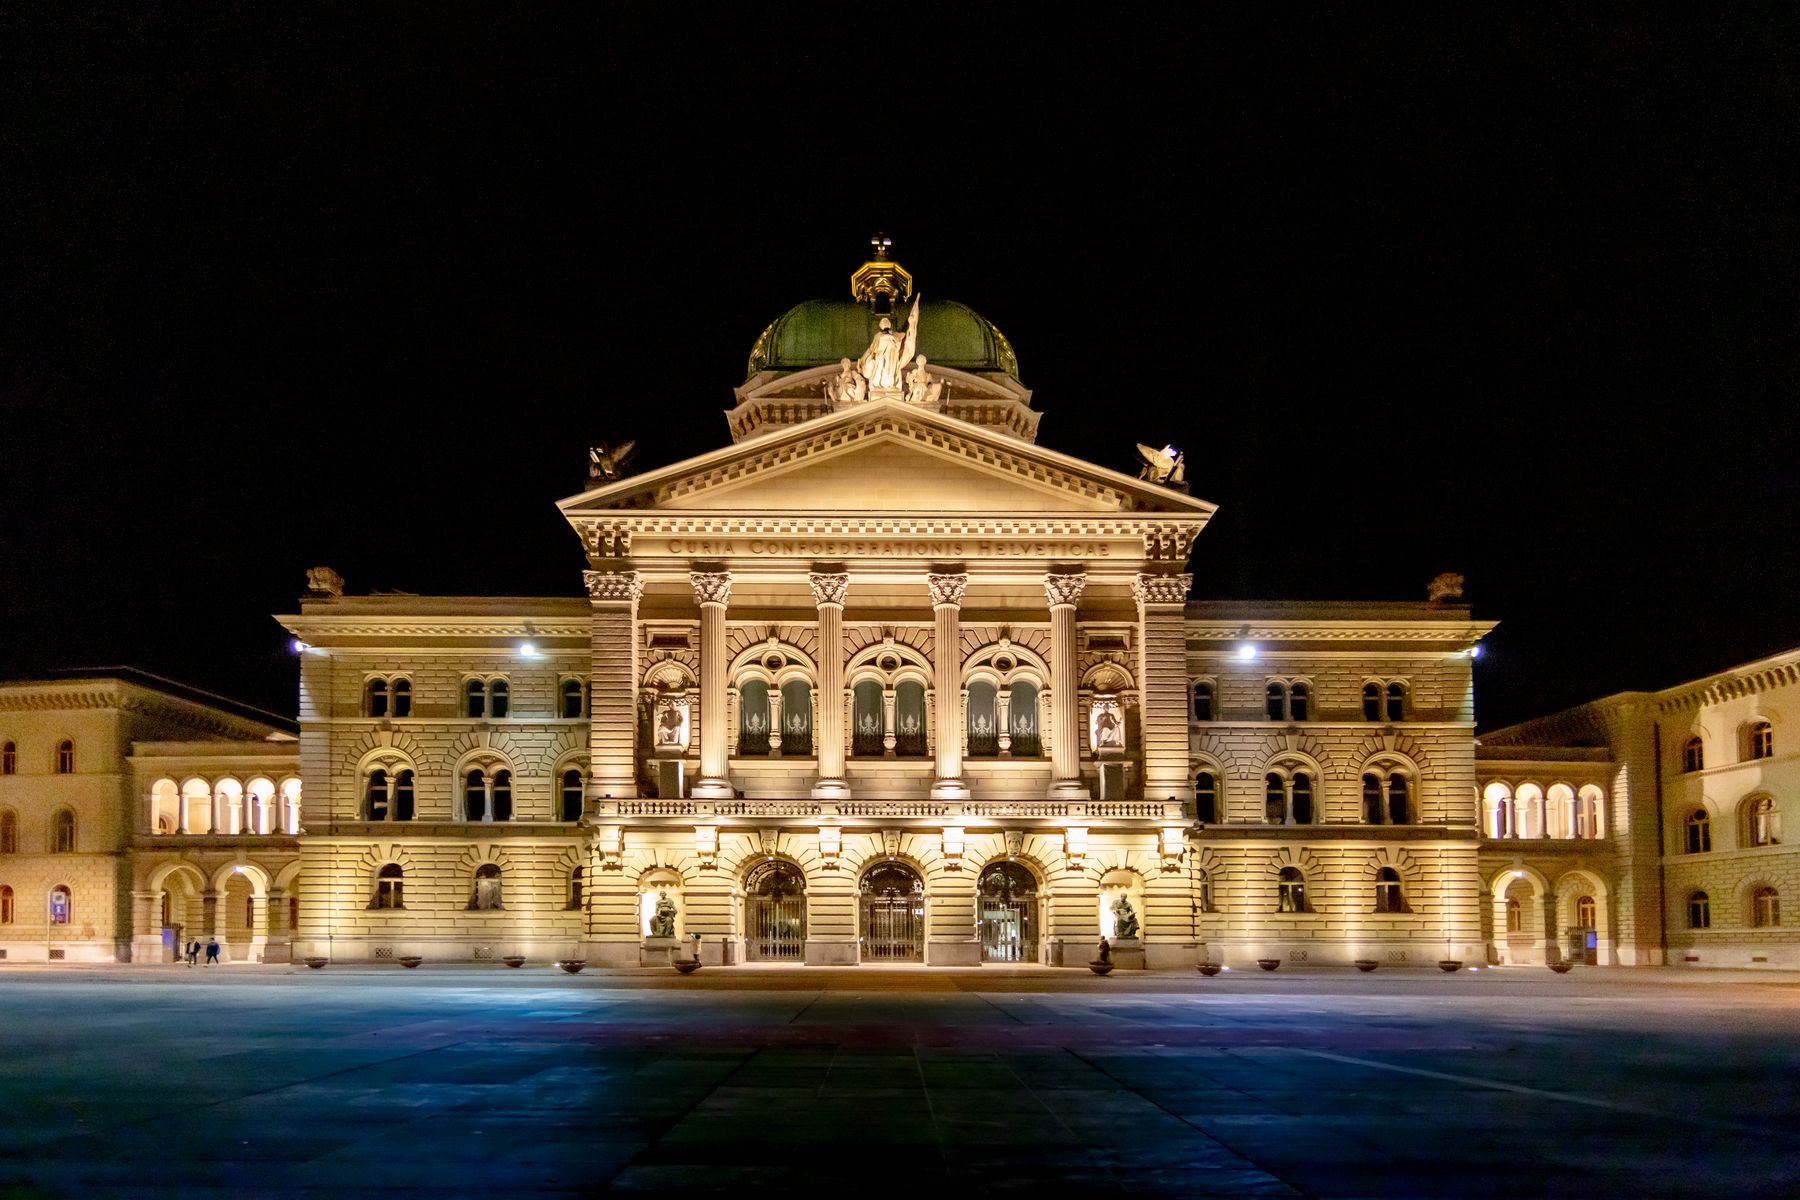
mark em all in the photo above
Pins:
pixel 612 683
pixel 1162 684
pixel 1063 593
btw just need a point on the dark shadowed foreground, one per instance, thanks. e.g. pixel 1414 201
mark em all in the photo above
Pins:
pixel 247 1081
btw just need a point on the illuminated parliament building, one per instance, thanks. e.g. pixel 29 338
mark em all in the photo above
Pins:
pixel 885 680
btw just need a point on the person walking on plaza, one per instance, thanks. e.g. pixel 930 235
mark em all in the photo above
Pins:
pixel 212 951
pixel 193 952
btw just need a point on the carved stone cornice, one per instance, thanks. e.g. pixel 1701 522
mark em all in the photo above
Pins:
pixel 947 589
pixel 711 587
pixel 614 585
pixel 1161 589
pixel 829 588
pixel 1061 590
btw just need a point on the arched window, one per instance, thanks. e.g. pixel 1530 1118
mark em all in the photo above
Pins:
pixel 1762 740
pixel 1515 915
pixel 1203 700
pixel 1288 797
pixel 62 905
pixel 1699 832
pixel 1387 798
pixel 9 832
pixel 983 720
pixel 1206 798
pixel 403 795
pixel 390 887
pixel 1693 755
pixel 1585 910
pixel 486 896
pixel 1765 908
pixel 1290 891
pixel 1299 701
pixel 796 717
pixel 65 757
pixel 475 698
pixel 499 698
pixel 475 795
pixel 9 758
pixel 6 905
pixel 290 805
pixel 753 718
pixel 1699 911
pixel 402 692
pixel 375 697
pixel 1388 896
pixel 376 798
pixel 1396 701
pixel 502 807
pixel 868 721
pixel 1371 702
pixel 1497 800
pixel 573 795
pixel 909 719
pixel 62 832
pixel 1399 799
pixel 1275 699
pixel 1022 719
pixel 574 699
pixel 577 883
pixel 1762 823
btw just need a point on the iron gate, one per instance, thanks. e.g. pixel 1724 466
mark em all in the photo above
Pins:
pixel 777 928
pixel 1008 932
pixel 1006 904
pixel 775 914
pixel 893 928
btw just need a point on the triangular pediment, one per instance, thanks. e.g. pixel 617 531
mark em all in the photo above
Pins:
pixel 888 457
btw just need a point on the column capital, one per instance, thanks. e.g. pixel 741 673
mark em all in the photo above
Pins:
pixel 947 589
pixel 1161 589
pixel 711 587
pixel 613 585
pixel 829 587
pixel 1062 590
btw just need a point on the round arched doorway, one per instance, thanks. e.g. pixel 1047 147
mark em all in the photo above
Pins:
pixel 1006 899
pixel 775 913
pixel 893 914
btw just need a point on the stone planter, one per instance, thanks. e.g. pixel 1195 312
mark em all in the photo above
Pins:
pixel 1449 966
pixel 1268 964
pixel 572 966
pixel 1366 964
pixel 1562 966
pixel 514 960
pixel 1210 969
pixel 687 966
pixel 409 961
pixel 1100 968
pixel 315 963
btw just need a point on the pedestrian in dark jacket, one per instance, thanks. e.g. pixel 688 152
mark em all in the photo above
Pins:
pixel 212 951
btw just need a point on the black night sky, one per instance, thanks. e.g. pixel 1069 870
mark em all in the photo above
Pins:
pixel 1513 296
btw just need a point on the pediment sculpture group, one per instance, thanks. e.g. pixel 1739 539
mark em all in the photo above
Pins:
pixel 890 369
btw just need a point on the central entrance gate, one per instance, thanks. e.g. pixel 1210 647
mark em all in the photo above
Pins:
pixel 1006 899
pixel 893 914
pixel 775 913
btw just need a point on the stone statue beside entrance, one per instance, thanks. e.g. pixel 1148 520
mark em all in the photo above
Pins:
pixel 662 923
pixel 1125 918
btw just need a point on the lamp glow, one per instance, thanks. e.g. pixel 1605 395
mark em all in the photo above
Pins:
pixel 1246 651
pixel 527 650
pixel 298 646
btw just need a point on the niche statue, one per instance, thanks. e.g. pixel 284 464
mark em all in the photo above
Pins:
pixel 662 924
pixel 1125 920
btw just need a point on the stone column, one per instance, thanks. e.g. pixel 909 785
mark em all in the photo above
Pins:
pixel 829 592
pixel 1063 592
pixel 1162 686
pixel 712 592
pixel 775 720
pixel 181 812
pixel 613 683
pixel 946 652
pixel 280 944
pixel 146 928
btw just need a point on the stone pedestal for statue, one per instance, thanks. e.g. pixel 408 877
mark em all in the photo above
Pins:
pixel 1128 954
pixel 661 951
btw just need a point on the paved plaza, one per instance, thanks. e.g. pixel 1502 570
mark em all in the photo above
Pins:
pixel 275 1081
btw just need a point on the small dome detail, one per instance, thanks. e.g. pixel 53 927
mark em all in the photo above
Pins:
pixel 819 333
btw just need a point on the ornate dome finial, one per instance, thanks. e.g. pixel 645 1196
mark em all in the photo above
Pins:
pixel 881 283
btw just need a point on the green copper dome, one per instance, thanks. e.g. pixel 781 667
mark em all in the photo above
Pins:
pixel 820 332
